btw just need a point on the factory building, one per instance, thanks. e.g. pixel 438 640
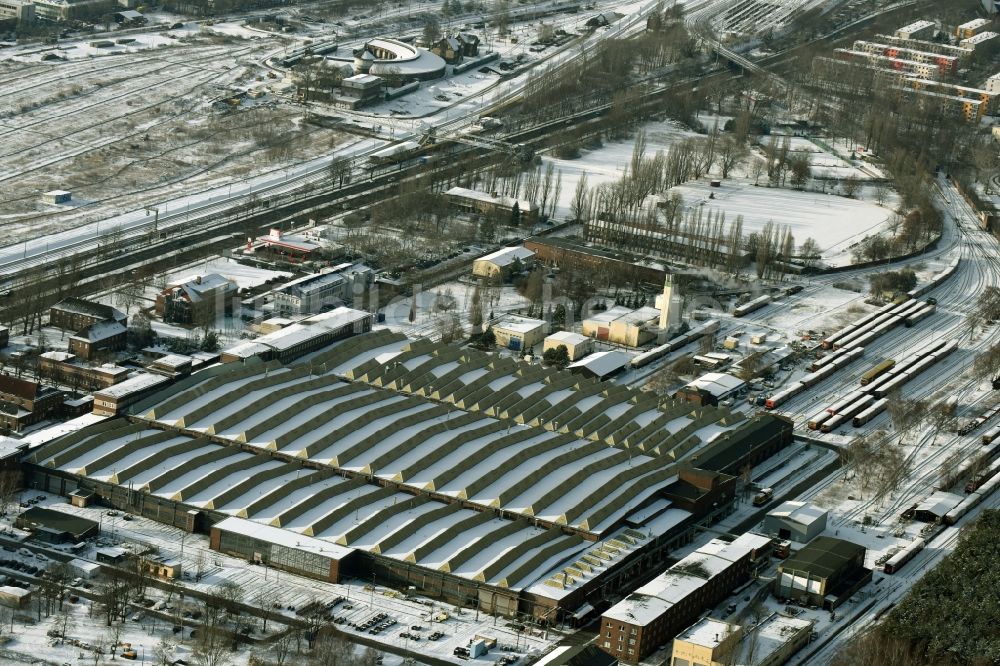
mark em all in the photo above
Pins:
pixel 623 326
pixel 477 480
pixel 712 389
pixel 656 612
pixel 824 573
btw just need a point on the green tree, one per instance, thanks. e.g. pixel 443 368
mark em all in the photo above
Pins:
pixel 557 357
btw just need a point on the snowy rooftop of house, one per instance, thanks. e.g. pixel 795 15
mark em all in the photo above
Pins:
pixel 799 512
pixel 517 324
pixel 486 197
pixel 81 306
pixel 708 632
pixel 567 337
pixel 57 193
pixel 604 363
pixel 102 330
pixel 717 383
pixel 140 382
pixel 9 445
pixel 506 256
pixel 196 286
pixel 58 356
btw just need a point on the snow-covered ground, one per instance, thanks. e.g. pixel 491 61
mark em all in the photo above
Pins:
pixel 835 222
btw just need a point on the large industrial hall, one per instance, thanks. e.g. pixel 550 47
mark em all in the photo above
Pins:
pixel 474 478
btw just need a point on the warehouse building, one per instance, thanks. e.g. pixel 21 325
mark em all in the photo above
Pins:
pixel 570 253
pixel 478 480
pixel 503 262
pixel 113 400
pixel 520 333
pixel 601 365
pixel 711 642
pixel 656 612
pixel 824 573
pixel 508 209
pixel 577 346
pixel 712 389
pixel 55 526
pixel 800 522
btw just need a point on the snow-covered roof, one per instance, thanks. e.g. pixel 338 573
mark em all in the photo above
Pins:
pixel 939 503
pixel 102 330
pixel 59 356
pixel 283 537
pixel 140 382
pixel 567 338
pixel 802 513
pixel 683 579
pixel 974 23
pixel 337 318
pixel 362 78
pixel 708 632
pixel 308 284
pixel 246 349
pixel 485 197
pixel 517 324
pixel 603 363
pixel 506 256
pixel 608 315
pixel 717 383
pixel 11 591
pixel 770 636
pixel 173 361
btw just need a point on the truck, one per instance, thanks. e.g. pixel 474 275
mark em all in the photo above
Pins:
pixel 763 496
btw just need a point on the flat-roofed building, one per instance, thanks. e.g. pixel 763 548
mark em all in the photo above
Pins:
pixel 114 399
pixel 577 346
pixel 921 29
pixel 603 364
pixel 623 326
pixel 708 642
pixel 978 40
pixel 312 293
pixel 824 573
pixel 315 332
pixel 656 612
pixel 56 526
pixel 520 333
pixel 971 28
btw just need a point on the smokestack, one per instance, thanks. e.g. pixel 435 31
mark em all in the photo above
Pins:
pixel 668 311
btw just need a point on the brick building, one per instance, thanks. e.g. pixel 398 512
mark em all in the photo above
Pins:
pixel 103 337
pixel 74 314
pixel 569 253
pixel 66 369
pixel 23 402
pixel 196 299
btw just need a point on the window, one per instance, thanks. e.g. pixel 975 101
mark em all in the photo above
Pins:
pixel 609 633
pixel 631 641
pixel 634 631
pixel 607 644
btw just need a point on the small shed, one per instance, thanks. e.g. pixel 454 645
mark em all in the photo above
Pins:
pixel 518 333
pixel 934 507
pixel 57 197
pixel 83 568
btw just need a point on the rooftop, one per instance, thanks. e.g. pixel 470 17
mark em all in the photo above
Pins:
pixel 602 364
pixel 486 197
pixel 506 256
pixel 823 557
pixel 57 520
pixel 102 330
pixel 708 632
pixel 140 382
pixel 799 512
pixel 717 383
pixel 81 306
pixel 518 324
pixel 567 337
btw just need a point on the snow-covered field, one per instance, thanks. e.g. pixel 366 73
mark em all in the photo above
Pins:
pixel 835 222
